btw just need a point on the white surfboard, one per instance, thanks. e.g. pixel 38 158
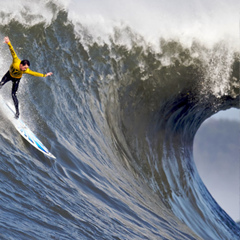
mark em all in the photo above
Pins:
pixel 24 130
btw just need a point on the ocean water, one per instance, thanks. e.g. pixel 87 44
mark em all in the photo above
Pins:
pixel 120 114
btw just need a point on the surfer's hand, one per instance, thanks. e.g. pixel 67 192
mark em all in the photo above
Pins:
pixel 49 74
pixel 6 40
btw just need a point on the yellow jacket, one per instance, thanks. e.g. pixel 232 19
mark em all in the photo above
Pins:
pixel 15 70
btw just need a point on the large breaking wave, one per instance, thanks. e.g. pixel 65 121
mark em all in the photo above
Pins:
pixel 120 116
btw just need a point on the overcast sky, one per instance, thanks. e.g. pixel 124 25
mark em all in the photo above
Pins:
pixel 218 162
pixel 231 114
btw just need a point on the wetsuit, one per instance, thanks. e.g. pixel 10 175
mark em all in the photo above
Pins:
pixel 14 74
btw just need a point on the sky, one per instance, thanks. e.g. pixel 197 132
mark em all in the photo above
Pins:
pixel 230 114
pixel 228 194
pixel 220 169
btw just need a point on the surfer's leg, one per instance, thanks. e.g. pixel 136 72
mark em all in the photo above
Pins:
pixel 14 96
pixel 5 79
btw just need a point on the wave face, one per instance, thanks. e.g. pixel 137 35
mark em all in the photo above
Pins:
pixel 120 117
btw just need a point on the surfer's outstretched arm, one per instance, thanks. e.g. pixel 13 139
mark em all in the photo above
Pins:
pixel 7 41
pixel 14 55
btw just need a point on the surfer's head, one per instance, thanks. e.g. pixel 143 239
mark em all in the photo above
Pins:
pixel 24 65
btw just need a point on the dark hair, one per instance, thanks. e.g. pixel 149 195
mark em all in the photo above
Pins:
pixel 25 62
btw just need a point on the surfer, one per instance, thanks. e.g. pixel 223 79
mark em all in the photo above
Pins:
pixel 17 69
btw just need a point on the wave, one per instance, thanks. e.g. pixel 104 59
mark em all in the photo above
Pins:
pixel 120 116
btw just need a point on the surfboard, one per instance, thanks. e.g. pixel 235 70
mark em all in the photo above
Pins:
pixel 27 134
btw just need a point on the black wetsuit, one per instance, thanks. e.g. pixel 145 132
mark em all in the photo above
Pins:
pixel 15 82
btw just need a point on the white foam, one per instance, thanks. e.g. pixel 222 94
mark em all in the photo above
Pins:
pixel 207 21
pixel 29 12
